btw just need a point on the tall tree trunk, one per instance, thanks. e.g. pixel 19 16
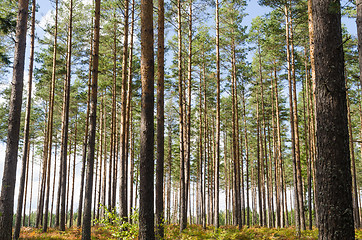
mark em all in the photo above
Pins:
pixel 146 215
pixel 73 178
pixel 312 101
pixel 54 176
pixel 182 211
pixel 85 140
pixel 235 133
pixel 31 186
pixel 333 157
pixel 65 122
pixel 160 123
pixel 296 134
pixel 11 153
pixel 50 118
pixel 353 165
pixel 26 144
pixel 124 140
pixel 216 221
pixel 291 116
pixel 246 158
pixel 26 183
pixel 86 227
pixel 187 116
pixel 129 130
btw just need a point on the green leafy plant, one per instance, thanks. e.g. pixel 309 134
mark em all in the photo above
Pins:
pixel 118 226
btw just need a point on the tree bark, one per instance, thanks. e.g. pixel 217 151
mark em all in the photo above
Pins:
pixel 160 123
pixel 65 123
pixel 11 153
pixel 86 227
pixel 123 168
pixel 26 144
pixel 146 212
pixel 333 165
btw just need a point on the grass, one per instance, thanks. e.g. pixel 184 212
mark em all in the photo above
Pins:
pixel 191 232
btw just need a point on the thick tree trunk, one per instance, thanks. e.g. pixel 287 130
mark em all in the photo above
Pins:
pixel 333 166
pixel 86 227
pixel 11 154
pixel 146 212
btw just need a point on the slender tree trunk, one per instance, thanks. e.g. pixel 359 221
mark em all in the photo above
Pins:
pixel 31 186
pixel 26 183
pixel 73 178
pixel 353 164
pixel 247 158
pixel 333 157
pixel 85 141
pixel 86 227
pixel 291 116
pixel 129 137
pixel 65 122
pixel 26 129
pixel 216 221
pixel 235 133
pixel 124 139
pixel 11 154
pixel 160 123
pixel 187 116
pixel 53 191
pixel 182 211
pixel 296 134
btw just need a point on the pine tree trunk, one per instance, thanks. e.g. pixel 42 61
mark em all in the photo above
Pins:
pixel 65 123
pixel 86 227
pixel 296 134
pixel 11 154
pixel 73 178
pixel 54 176
pixel 31 186
pixel 26 184
pixel 247 158
pixel 334 194
pixel 182 211
pixel 146 212
pixel 353 165
pixel 217 160
pixel 85 141
pixel 26 129
pixel 291 116
pixel 160 123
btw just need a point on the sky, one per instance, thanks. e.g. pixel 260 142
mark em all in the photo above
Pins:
pixel 45 6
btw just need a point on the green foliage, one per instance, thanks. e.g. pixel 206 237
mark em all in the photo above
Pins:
pixel 119 227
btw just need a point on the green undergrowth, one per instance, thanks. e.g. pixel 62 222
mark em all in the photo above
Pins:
pixel 231 233
pixel 172 232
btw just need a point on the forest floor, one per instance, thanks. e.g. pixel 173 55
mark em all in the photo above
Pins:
pixel 191 232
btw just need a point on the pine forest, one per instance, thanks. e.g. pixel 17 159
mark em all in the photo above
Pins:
pixel 181 119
